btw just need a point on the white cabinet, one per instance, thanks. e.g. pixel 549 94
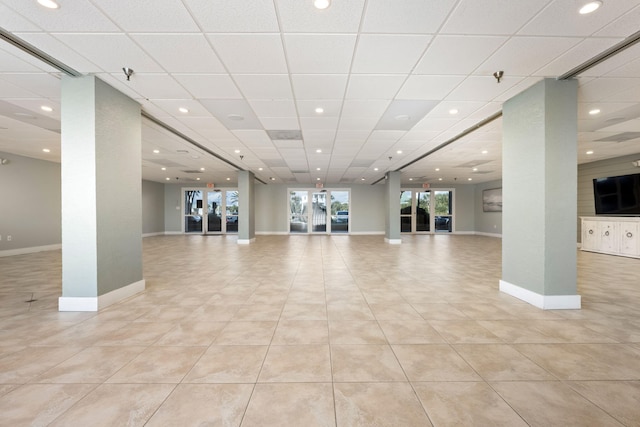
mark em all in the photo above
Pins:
pixel 611 235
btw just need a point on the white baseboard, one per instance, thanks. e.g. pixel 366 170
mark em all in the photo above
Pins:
pixel 31 250
pixel 167 233
pixel 272 233
pixel 362 233
pixel 246 241
pixel 479 233
pixel 159 233
pixel 102 301
pixel 392 241
pixel 545 302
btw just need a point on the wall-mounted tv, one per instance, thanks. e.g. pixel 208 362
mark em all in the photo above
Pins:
pixel 617 195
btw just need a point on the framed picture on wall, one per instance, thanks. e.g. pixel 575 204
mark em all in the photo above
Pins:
pixel 492 200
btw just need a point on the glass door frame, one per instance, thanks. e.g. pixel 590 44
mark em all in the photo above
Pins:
pixel 309 209
pixel 204 211
pixel 432 208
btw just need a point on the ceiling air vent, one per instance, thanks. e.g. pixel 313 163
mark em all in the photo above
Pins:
pixel 192 171
pixel 284 135
pixel 621 137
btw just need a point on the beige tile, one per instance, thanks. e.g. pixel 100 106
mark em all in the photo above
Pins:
pixel 297 363
pixel 394 311
pixel 192 333
pixel 464 331
pixel 365 363
pixel 159 365
pixel 618 398
pixel 410 332
pixel 290 332
pixel 165 314
pixel 136 333
pixel 116 405
pixel 203 405
pixel 246 333
pixel 6 388
pixel 52 400
pixel 92 365
pixel 433 362
pixel 214 313
pixel 258 312
pixel 297 404
pixel 24 365
pixel 544 403
pixel 378 404
pixel 349 311
pixel 501 362
pixel 431 311
pixel 465 404
pixel 228 364
pixel 585 361
pixel 294 311
pixel 356 332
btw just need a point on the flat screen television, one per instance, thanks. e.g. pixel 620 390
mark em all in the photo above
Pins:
pixel 617 195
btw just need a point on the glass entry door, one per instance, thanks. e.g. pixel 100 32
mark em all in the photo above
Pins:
pixel 298 208
pixel 443 210
pixel 406 211
pixel 319 213
pixel 426 211
pixel 317 216
pixel 214 211
pixel 423 210
pixel 193 211
pixel 211 211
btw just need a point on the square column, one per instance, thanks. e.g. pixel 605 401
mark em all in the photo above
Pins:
pixel 246 208
pixel 539 216
pixel 392 207
pixel 101 195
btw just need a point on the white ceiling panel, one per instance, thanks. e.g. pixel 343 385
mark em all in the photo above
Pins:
pixel 364 108
pixel 167 16
pixel 318 136
pixel 250 53
pixel 116 51
pixel 561 18
pixel 429 87
pixel 254 138
pixel 319 86
pixel 457 54
pixel 34 105
pixel 223 16
pixel 318 123
pixel 358 123
pixel 73 16
pixel 45 85
pixel 56 49
pixel 14 22
pixel 273 107
pixel 623 26
pixel 615 63
pixel 156 86
pixel 463 108
pixel 381 54
pixel 267 87
pixel 233 113
pixel 432 124
pixel 172 107
pixel 600 89
pixel 319 53
pixel 495 17
pixel 180 53
pixel 9 90
pixel 331 107
pixel 205 124
pixel 520 86
pixel 366 86
pixel 578 54
pixel 481 88
pixel 280 123
pixel 211 86
pixel 13 64
pixel 383 16
pixel 302 17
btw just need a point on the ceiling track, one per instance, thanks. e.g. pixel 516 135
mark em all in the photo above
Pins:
pixel 601 57
pixel 40 55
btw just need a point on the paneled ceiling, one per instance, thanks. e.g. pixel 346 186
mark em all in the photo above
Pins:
pixel 337 96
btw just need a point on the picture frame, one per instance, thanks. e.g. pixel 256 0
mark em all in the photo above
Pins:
pixel 492 200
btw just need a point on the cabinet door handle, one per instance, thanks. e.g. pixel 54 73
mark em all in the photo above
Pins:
pixel 590 231
pixel 606 233
pixel 629 234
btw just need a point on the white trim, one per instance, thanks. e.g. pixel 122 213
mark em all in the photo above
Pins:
pixel 102 301
pixel 272 233
pixel 159 233
pixel 545 302
pixel 174 233
pixel 362 233
pixel 392 241
pixel 469 233
pixel 480 233
pixel 246 241
pixel 33 249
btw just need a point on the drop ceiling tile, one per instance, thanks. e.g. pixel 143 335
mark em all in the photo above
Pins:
pixel 41 84
pixel 250 53
pixel 73 16
pixel 623 26
pixel 516 89
pixel 404 114
pixel 482 88
pixel 266 87
pixel 254 138
pixel 33 105
pixel 156 86
pixel 615 64
pixel 577 55
pixel 380 54
pixel 601 89
pixel 367 86
pixel 331 107
pixel 233 113
pixel 383 16
pixel 318 138
pixel 448 55
pixel 540 51
pixel 223 16
pixel 171 106
pixel 561 18
pixel 428 87
pixel 282 123
pixel 204 124
pixel 149 15
pixel 301 17
pixel 273 108
pixel 364 108
pixel 319 86
pixel 464 108
pixel 180 53
pixel 318 123
pixel 319 53
pixel 55 48
pixel 9 90
pixel 116 51
pixel 12 63
pixel 209 86
pixel 490 16
pixel 358 123
pixel 432 124
pixel 14 22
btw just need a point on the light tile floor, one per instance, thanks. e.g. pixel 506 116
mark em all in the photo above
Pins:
pixel 320 331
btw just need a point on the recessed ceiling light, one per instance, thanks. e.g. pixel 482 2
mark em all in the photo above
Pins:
pixel 228 179
pixel 236 151
pixel 183 110
pixel 201 169
pixel 317 179
pixel 272 178
pixel 321 4
pixel 164 169
pixel 235 117
pixel 594 111
pixel 399 152
pixel 259 169
pixel 49 4
pixel 46 108
pixel 592 6
pixel 319 110
pixel 156 151
pixel 46 150
pixel 375 169
pixel 198 179
pixel 474 169
pixel 362 179
pixel 410 179
pixel 437 169
pixel 318 151
pixel 317 169
pixel 439 179
pixel 469 179
pixel 590 152
pixel 167 178
pixel 402 117
pixel 485 152
pixel 453 111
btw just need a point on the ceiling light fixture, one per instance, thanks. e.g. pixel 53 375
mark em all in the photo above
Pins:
pixel 410 179
pixel 168 179
pixel 402 117
pixel 437 169
pixel 498 75
pixel 156 151
pixel 317 179
pixel 163 169
pixel 453 111
pixel 319 110
pixel 49 4
pixel 485 152
pixel 259 169
pixel 590 152
pixel 228 179
pixel 318 151
pixel 201 169
pixel 439 179
pixel 592 6
pixel 183 110
pixel 399 152
pixel 469 179
pixel 128 72
pixel 321 4
pixel 317 169
pixel 272 178
pixel 594 111
pixel 362 179
pixel 236 151
pixel 375 169
pixel 198 179
pixel 46 108
pixel 235 117
pixel 474 169
pixel 46 150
